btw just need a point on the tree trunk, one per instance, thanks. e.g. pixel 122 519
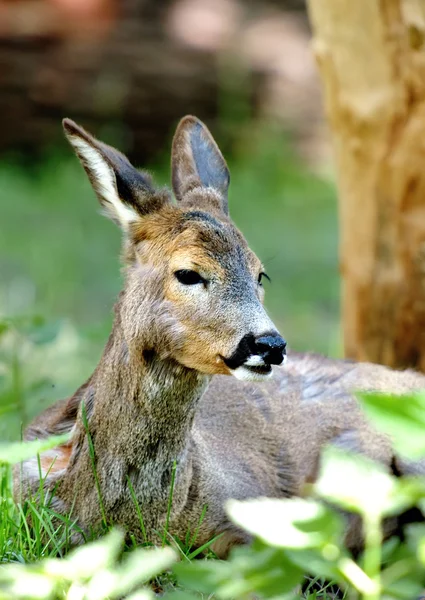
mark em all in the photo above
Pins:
pixel 371 56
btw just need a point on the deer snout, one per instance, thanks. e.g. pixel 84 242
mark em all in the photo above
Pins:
pixel 255 355
pixel 271 348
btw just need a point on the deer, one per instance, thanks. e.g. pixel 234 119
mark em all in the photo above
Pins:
pixel 191 388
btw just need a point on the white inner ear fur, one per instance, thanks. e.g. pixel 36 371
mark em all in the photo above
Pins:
pixel 105 183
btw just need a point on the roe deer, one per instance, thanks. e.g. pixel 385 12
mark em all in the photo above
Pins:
pixel 192 309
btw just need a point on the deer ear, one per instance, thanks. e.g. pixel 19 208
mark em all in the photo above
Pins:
pixel 196 162
pixel 124 193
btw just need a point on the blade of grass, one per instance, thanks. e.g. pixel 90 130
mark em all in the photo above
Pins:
pixel 201 518
pixel 138 510
pixel 205 546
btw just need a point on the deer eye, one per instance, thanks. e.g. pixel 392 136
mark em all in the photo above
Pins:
pixel 260 278
pixel 188 277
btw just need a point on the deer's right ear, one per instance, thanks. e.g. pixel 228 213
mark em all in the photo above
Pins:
pixel 124 193
pixel 196 162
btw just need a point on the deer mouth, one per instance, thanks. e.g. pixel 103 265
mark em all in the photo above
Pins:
pixel 252 372
pixel 259 369
pixel 252 369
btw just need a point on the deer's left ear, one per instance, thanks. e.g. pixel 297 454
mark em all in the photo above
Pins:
pixel 124 193
pixel 196 162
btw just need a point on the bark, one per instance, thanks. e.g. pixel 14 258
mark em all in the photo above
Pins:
pixel 371 57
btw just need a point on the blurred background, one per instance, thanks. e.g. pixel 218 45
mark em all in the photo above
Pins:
pixel 128 70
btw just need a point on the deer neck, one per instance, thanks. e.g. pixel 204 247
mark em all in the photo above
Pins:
pixel 143 405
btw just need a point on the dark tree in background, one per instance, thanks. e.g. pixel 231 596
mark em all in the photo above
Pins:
pixel 134 67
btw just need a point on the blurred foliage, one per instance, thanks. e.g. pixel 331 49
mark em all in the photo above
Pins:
pixel 59 260
pixel 293 537
pixel 40 362
pixel 403 418
pixel 90 573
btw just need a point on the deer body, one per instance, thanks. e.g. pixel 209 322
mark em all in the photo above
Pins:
pixel 190 314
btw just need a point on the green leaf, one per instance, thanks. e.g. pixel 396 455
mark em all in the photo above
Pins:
pixel 403 576
pixel 142 595
pixel 93 571
pixel 262 570
pixel 259 569
pixel 421 550
pixel 401 417
pixel 85 561
pixel 358 484
pixel 178 595
pixel 205 576
pixel 409 492
pixel 287 523
pixel 18 582
pixel 19 451
pixel 318 563
pixel 140 566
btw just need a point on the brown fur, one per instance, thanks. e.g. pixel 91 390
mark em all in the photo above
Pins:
pixel 150 400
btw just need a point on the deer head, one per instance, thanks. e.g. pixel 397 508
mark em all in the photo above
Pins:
pixel 193 289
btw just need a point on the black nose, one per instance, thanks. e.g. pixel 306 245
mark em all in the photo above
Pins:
pixel 271 348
